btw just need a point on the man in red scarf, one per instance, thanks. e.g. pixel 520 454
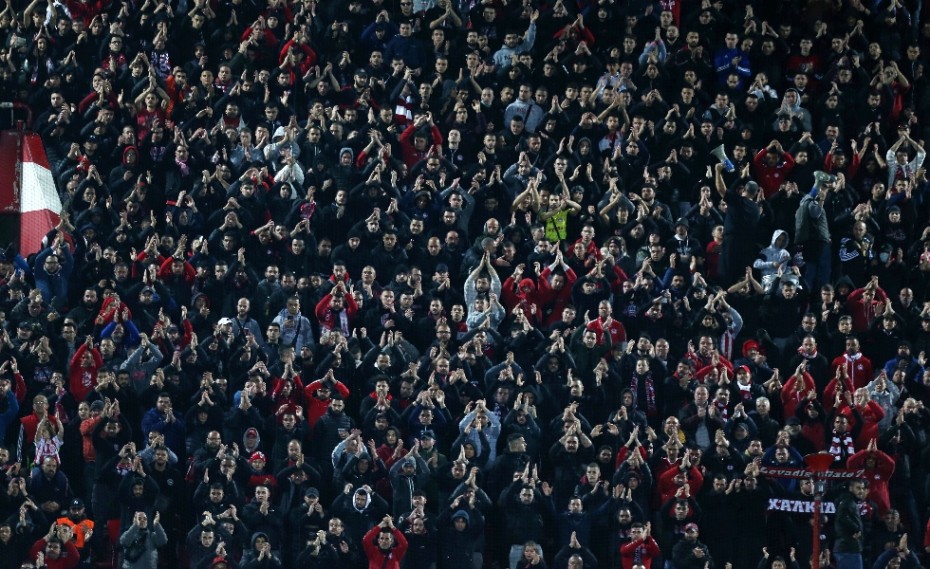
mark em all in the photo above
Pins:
pixel 337 310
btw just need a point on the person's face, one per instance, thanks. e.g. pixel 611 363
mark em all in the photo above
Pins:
pixel 852 346
pixel 859 490
pixel 701 395
pixel 49 466
pixel 840 424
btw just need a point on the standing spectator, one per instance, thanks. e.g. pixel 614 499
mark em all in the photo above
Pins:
pixel 739 226
pixel 85 365
pixel 641 550
pixel 384 545
pixel 847 547
pixel 139 544
pixel 53 268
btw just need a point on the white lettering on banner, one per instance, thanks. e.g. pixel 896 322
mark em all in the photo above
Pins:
pixel 799 506
pixel 776 472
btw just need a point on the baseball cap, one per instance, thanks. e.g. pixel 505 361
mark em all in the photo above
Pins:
pixel 251 432
pixel 77 504
pixel 311 491
pixel 224 321
pixel 691 527
pixel 428 434
pixel 259 455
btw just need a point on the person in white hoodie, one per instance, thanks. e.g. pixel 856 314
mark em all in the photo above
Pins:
pixel 773 258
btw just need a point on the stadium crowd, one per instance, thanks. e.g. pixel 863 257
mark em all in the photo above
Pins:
pixel 452 284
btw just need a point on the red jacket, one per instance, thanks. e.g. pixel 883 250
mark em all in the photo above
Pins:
pixel 69 558
pixel 83 379
pixel 112 311
pixel 164 272
pixel 648 550
pixel 771 178
pixel 553 301
pixel 863 313
pixel 878 476
pixel 791 398
pixel 330 320
pixel 522 294
pixel 317 407
pixel 410 153
pixel 858 370
pixel 667 487
pixel 378 559
pixel 829 393
pixel 871 415
pixel 294 400
pixel 309 55
pixel 616 330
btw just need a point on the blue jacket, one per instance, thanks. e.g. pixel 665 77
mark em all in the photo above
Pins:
pixel 174 432
pixel 54 286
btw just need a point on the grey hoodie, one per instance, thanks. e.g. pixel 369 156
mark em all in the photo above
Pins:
pixel 772 258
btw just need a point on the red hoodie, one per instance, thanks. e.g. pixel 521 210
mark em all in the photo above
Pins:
pixel 84 379
pixel 410 153
pixel 553 301
pixel 864 312
pixel 522 295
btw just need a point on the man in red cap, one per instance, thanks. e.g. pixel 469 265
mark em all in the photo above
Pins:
pixel 743 390
pixel 257 474
pixel 689 553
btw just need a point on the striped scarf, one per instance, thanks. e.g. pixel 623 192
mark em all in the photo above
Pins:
pixel 650 392
pixel 841 447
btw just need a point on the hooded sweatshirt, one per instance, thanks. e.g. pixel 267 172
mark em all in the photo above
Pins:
pixel 772 258
pixel 522 294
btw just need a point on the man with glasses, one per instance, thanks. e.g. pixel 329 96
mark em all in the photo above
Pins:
pixel 53 267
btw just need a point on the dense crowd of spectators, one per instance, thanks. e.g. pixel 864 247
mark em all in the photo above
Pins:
pixel 444 284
